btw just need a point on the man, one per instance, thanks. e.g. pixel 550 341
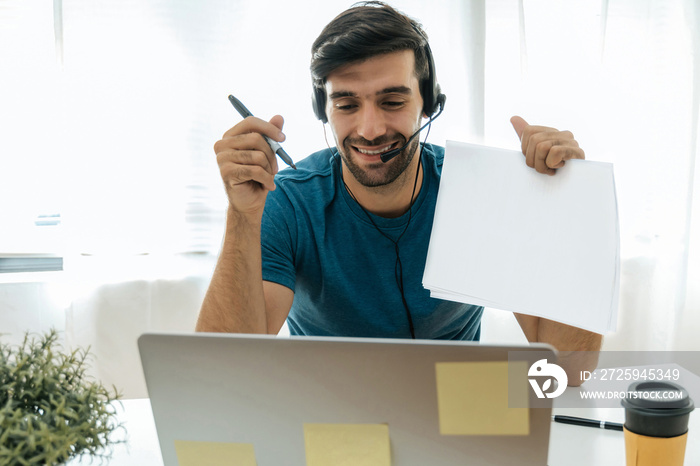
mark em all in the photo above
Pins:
pixel 338 247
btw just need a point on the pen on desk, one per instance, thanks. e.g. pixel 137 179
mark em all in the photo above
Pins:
pixel 579 421
pixel 276 148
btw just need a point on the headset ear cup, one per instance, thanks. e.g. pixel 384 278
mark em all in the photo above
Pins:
pixel 428 98
pixel 318 101
pixel 433 98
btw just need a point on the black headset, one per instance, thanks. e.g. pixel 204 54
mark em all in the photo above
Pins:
pixel 433 99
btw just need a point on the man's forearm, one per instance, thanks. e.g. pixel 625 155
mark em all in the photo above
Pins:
pixel 235 301
pixel 578 349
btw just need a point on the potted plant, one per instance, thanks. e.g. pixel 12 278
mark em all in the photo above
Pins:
pixel 50 410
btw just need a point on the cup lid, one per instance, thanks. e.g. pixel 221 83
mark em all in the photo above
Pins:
pixel 656 397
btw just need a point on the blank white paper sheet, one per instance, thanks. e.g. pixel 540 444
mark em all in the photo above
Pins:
pixel 507 237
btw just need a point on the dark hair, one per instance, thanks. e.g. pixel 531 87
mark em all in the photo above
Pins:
pixel 366 30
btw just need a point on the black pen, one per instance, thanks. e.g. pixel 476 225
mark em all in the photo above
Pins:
pixel 579 421
pixel 276 148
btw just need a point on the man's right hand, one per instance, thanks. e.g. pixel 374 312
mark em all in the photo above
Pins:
pixel 238 300
pixel 247 163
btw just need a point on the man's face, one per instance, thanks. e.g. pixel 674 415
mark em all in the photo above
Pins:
pixel 374 106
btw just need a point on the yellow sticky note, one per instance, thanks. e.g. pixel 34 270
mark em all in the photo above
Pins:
pixel 191 453
pixel 347 445
pixel 473 398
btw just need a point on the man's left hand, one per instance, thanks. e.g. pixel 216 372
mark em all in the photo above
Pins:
pixel 545 148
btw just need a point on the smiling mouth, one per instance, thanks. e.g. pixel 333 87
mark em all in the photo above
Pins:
pixel 379 151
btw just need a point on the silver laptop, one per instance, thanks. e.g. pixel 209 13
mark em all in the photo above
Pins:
pixel 265 391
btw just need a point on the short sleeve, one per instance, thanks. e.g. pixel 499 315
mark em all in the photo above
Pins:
pixel 278 240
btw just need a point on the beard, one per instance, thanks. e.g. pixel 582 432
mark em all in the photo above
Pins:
pixel 379 173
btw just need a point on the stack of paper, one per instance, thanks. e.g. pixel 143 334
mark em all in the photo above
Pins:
pixel 507 237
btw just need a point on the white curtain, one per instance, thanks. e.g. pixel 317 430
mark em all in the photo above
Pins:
pixel 111 114
pixel 623 76
pixel 688 324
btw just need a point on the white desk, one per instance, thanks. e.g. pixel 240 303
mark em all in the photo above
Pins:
pixel 569 445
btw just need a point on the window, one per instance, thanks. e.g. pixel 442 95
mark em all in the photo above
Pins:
pixel 30 165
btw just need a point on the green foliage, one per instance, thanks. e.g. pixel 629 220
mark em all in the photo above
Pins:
pixel 50 410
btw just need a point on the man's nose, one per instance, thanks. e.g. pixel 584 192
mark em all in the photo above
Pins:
pixel 371 122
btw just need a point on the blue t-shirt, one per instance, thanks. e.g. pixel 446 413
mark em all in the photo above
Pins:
pixel 317 241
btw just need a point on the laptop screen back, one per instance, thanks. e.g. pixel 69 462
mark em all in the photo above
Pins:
pixel 279 396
